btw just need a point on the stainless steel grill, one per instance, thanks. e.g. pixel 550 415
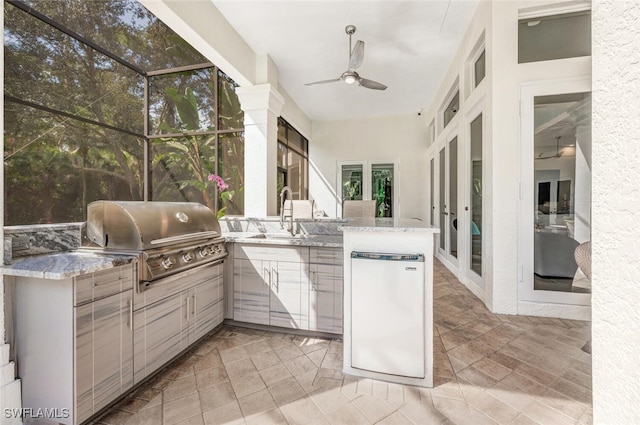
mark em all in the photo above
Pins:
pixel 169 237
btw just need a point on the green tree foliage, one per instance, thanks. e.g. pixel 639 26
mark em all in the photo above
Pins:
pixel 54 163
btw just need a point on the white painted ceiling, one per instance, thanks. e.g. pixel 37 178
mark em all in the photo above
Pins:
pixel 408 46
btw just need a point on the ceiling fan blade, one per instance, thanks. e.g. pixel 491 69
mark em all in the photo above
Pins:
pixel 357 55
pixel 323 82
pixel 370 84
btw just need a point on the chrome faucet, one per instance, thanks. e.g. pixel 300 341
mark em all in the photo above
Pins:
pixel 282 193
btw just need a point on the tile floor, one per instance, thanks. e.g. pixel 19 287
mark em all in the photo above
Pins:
pixel 489 369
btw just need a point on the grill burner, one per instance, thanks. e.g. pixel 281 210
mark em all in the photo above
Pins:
pixel 169 237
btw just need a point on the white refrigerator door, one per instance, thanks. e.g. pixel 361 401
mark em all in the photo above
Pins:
pixel 387 316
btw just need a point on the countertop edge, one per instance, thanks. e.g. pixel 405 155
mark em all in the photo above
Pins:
pixel 314 240
pixel 64 265
pixel 400 229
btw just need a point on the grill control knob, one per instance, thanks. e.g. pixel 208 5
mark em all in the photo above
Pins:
pixel 204 252
pixel 187 257
pixel 168 262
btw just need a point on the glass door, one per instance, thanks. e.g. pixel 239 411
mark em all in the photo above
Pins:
pixel 453 198
pixel 448 200
pixel 432 201
pixel 475 202
pixel 382 189
pixel 351 182
pixel 556 195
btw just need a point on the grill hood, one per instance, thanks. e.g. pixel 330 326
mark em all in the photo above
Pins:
pixel 139 225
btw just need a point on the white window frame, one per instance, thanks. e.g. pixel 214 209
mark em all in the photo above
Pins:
pixel 366 182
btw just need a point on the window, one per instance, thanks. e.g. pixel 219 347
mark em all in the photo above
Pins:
pixel 293 161
pixel 196 135
pixel 364 180
pixel 431 133
pixel 74 113
pixel 566 35
pixel 479 69
pixel 452 109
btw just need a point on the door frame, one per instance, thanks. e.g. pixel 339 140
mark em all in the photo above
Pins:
pixel 366 182
pixel 452 132
pixel 528 92
pixel 479 108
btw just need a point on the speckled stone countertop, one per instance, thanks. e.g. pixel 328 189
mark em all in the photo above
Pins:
pixel 329 241
pixel 388 225
pixel 64 265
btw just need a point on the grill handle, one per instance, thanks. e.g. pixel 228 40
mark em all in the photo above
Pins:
pixel 185 238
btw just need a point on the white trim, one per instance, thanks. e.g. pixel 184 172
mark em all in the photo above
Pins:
pixel 562 311
pixel 479 108
pixel 366 182
pixel 548 301
pixel 455 88
pixel 470 69
pixel 554 9
pixel 453 132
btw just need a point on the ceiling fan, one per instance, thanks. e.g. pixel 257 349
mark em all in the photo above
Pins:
pixel 557 155
pixel 356 56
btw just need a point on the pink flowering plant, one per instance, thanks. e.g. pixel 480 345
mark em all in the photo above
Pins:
pixel 223 189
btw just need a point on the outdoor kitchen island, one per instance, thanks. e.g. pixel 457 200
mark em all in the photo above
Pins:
pixel 388 300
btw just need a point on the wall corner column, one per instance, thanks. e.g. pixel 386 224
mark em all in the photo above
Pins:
pixel 262 105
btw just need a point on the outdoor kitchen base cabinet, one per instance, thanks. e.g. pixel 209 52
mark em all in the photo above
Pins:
pixel 173 313
pixel 74 342
pixel 270 286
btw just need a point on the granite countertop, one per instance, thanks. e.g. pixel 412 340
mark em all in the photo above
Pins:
pixel 329 241
pixel 64 265
pixel 388 225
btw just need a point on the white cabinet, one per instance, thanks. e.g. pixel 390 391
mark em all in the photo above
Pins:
pixel 271 285
pixel 173 314
pixel 251 290
pixel 104 352
pixel 325 289
pixel 74 341
pixel 157 335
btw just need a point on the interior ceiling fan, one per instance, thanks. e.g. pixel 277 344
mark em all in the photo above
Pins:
pixel 356 56
pixel 557 154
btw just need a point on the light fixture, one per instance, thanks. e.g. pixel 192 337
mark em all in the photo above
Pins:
pixel 349 79
pixel 533 23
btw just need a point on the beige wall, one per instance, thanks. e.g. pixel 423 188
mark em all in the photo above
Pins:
pixel 384 139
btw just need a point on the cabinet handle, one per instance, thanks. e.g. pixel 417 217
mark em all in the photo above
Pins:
pixel 130 302
pixel 193 306
pixel 277 280
pixel 267 277
pixel 186 313
pixel 313 283
pixel 107 282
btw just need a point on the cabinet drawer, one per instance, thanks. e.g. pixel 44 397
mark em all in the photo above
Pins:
pixel 266 252
pixel 326 255
pixel 100 284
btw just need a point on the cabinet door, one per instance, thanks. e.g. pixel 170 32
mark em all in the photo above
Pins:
pixel 321 298
pixel 84 361
pixel 288 289
pixel 206 305
pixel 112 348
pixel 158 334
pixel 104 352
pixel 251 291
pixel 326 290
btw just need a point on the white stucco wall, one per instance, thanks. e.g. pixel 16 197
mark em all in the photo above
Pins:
pixel 616 212
pixel 384 139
